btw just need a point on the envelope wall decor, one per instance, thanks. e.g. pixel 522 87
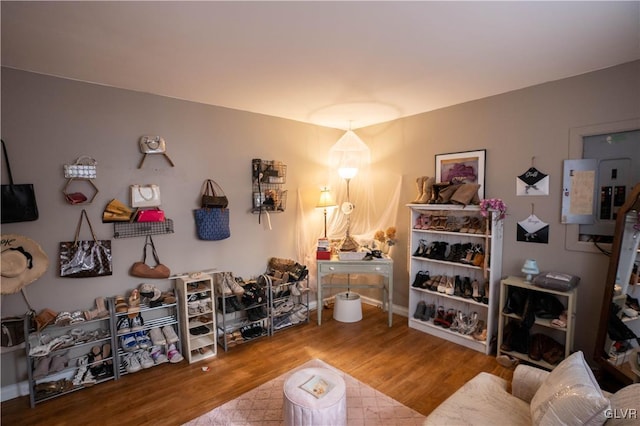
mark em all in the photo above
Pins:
pixel 533 230
pixel 532 182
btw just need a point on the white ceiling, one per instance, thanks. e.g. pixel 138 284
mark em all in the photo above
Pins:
pixel 336 64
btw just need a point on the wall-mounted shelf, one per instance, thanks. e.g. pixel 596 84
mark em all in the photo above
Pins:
pixel 268 177
pixel 141 229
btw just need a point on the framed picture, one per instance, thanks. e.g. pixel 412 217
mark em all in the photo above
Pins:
pixel 467 167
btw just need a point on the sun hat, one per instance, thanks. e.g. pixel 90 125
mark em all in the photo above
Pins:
pixel 23 262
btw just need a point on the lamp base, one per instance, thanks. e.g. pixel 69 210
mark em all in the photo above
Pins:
pixel 349 244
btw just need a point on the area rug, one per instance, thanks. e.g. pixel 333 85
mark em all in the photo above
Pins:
pixel 262 406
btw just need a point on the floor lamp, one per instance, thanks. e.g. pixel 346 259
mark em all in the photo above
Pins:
pixel 325 202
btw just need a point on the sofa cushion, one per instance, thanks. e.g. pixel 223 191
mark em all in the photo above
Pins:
pixel 482 400
pixel 570 395
pixel 625 406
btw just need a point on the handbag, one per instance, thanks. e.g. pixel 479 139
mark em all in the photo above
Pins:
pixel 210 198
pixel 12 331
pixel 212 224
pixel 18 201
pixel 150 215
pixel 142 270
pixel 145 195
pixel 116 211
pixel 83 168
pixel 89 258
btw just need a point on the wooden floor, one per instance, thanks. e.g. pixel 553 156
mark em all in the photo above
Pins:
pixel 416 369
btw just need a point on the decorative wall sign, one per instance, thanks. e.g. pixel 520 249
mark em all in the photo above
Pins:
pixel 533 230
pixel 532 182
pixel 463 167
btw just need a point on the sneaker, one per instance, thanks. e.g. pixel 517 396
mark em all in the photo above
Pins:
pixel 173 354
pixel 143 340
pixel 131 363
pixel 137 323
pixel 145 359
pixel 128 343
pixel 157 355
pixel 88 379
pixel 170 334
pixel 233 285
pixel 193 308
pixel 157 337
pixel 123 325
pixel 221 285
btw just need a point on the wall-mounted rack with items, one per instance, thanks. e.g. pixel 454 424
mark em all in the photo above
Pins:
pixel 141 229
pixel 268 177
pixel 455 267
pixel 84 169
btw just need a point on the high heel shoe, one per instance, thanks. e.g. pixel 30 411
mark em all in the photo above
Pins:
pixel 442 285
pixel 457 288
pixel 481 331
pixel 422 248
pixel 475 293
pixel 434 283
pixel 420 310
pixel 485 298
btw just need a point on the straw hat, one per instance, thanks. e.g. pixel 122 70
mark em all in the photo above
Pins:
pixel 23 262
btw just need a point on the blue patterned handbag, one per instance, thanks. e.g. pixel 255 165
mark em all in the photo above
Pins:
pixel 212 224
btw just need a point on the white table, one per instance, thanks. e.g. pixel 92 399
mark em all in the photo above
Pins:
pixel 303 409
pixel 382 267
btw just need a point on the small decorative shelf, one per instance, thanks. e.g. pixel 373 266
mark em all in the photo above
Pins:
pixel 142 229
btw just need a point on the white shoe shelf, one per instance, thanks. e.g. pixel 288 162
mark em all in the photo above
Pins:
pixel 489 271
pixel 70 355
pixel 198 319
pixel 540 325
pixel 163 315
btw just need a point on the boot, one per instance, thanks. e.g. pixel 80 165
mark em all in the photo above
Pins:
pixel 427 190
pixel 420 185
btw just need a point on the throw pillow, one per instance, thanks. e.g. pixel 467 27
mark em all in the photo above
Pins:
pixel 625 406
pixel 570 395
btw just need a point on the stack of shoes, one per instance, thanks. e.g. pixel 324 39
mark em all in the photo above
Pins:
pixel 252 331
pixel 157 355
pixel 234 338
pixel 173 354
pixel 299 314
pixel 281 322
pixel 152 296
pixel 101 310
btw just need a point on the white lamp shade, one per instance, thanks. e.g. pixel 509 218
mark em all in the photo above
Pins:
pixel 326 200
pixel 348 155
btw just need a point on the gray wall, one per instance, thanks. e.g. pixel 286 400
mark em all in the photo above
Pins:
pixel 48 122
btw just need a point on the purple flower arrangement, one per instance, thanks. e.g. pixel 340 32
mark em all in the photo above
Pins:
pixel 497 204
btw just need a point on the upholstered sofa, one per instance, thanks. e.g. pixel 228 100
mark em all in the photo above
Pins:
pixel 568 395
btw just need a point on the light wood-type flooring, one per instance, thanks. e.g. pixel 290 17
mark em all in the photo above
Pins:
pixel 414 368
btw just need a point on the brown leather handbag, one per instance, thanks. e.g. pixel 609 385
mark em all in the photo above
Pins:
pixel 142 270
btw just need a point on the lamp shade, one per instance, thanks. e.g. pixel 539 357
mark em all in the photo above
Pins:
pixel 348 155
pixel 530 268
pixel 326 200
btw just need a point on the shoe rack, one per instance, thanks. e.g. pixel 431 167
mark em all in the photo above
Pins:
pixel 197 311
pixel 241 309
pixel 455 271
pixel 563 335
pixel 154 318
pixel 66 358
pixel 288 304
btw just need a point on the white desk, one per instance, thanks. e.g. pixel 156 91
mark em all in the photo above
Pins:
pixel 383 267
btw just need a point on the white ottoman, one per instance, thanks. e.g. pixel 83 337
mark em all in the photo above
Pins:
pixel 302 408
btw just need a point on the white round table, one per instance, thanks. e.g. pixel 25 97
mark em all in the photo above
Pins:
pixel 303 408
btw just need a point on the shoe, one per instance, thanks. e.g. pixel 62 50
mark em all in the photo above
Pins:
pixel 88 379
pixel 145 359
pixel 442 285
pixel 475 293
pixel 143 340
pixel 420 310
pixel 449 290
pixel 170 334
pixel 421 195
pixel 131 363
pixel 421 278
pixel 128 343
pixel 481 331
pixel 421 250
pixel 193 307
pixel 434 282
pixel 42 367
pixel 59 363
pixel 157 355
pixel 137 323
pixel 507 361
pixel 157 337
pixel 467 289
pixel 235 287
pixel 123 325
pixel 221 286
pixel 485 298
pixel 173 354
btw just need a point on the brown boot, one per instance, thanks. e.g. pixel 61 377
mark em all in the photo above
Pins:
pixel 420 185
pixel 427 190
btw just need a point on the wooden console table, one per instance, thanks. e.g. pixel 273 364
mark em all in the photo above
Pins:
pixel 382 267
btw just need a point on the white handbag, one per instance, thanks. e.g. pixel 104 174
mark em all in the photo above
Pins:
pixel 145 195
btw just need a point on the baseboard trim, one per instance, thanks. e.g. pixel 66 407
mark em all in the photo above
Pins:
pixel 14 391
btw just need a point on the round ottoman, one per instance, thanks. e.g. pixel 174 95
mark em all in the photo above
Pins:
pixel 303 408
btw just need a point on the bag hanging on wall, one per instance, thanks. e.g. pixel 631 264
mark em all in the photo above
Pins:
pixel 145 195
pixel 83 168
pixel 212 224
pixel 18 201
pixel 83 259
pixel 150 215
pixel 211 198
pixel 142 270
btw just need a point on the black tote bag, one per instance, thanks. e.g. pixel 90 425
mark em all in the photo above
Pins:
pixel 18 201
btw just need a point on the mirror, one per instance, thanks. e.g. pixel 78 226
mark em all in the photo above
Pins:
pixel 618 342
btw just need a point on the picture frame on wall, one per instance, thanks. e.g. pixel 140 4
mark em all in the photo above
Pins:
pixel 466 167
